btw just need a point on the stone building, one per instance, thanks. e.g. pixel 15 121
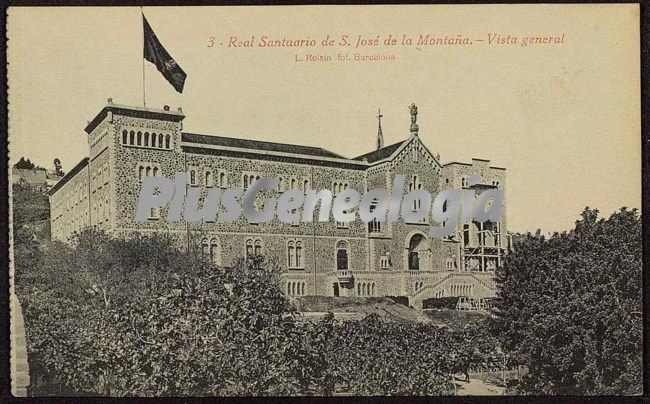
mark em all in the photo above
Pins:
pixel 319 258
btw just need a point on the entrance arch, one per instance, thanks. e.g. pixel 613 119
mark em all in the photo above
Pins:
pixel 418 252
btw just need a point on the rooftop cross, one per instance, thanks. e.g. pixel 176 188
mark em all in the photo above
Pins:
pixel 380 136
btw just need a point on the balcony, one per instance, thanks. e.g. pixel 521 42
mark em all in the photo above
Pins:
pixel 345 276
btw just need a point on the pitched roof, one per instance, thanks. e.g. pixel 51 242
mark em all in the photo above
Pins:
pixel 380 154
pixel 259 145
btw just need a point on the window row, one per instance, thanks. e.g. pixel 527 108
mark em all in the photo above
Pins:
pixel 295 254
pixel 366 289
pixel 146 139
pixel 296 288
pixel 211 248
pixel 146 170
pixel 253 247
pixel 284 183
pixel 208 178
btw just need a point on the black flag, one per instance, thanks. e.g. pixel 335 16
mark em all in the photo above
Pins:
pixel 156 54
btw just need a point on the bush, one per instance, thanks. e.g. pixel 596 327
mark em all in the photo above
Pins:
pixel 403 300
pixel 140 317
pixel 570 307
pixel 440 303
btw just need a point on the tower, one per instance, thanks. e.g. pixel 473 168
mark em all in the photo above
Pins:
pixel 128 144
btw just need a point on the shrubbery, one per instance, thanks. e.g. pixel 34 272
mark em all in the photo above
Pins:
pixel 570 307
pixel 142 317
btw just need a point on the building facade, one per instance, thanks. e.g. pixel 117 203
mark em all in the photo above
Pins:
pixel 127 144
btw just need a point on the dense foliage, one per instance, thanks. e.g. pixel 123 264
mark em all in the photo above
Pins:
pixel 570 307
pixel 139 316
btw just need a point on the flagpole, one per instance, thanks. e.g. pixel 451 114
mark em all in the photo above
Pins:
pixel 144 94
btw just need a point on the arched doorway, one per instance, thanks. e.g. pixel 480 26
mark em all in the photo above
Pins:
pixel 417 252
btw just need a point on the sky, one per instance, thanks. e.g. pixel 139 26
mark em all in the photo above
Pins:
pixel 563 119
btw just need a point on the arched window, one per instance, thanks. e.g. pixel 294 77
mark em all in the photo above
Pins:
pixel 293 183
pixel 148 171
pixel 215 251
pixel 205 247
pixel 341 255
pixel 305 185
pixel 139 138
pixel 125 136
pixel 249 248
pixel 167 142
pixel 140 172
pixel 132 138
pixel 192 177
pixel 208 179
pixel 291 254
pixel 258 247
pixel 146 139
pixel 222 179
pixel 280 184
pixel 160 141
pixel 367 289
pixel 153 140
pixel 155 171
pixel 299 263
pixel 245 181
pixel 288 288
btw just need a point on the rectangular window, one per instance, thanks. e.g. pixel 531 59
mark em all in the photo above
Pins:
pixel 154 213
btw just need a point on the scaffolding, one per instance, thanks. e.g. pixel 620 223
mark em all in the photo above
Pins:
pixel 467 303
pixel 487 254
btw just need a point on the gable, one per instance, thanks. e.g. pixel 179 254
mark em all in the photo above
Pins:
pixel 401 150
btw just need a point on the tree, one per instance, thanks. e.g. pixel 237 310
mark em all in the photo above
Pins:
pixel 24 164
pixel 570 307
